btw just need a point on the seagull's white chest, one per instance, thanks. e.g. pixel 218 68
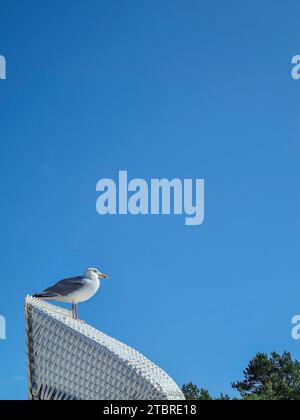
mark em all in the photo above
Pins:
pixel 87 291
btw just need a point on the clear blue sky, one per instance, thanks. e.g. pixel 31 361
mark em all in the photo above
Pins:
pixel 161 88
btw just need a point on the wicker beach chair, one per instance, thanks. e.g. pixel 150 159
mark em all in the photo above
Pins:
pixel 68 359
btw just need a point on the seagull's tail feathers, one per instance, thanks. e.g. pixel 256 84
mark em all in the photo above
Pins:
pixel 45 295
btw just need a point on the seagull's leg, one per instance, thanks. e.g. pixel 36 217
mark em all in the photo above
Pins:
pixel 74 311
pixel 77 317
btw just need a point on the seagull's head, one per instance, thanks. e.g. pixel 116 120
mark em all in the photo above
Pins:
pixel 94 274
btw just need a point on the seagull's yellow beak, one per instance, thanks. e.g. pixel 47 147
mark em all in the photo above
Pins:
pixel 103 276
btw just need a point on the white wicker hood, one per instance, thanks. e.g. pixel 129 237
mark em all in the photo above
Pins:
pixel 68 359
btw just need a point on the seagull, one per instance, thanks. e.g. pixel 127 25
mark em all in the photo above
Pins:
pixel 74 289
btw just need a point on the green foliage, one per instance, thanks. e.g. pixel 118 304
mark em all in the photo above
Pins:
pixel 192 392
pixel 271 378
pixel 266 378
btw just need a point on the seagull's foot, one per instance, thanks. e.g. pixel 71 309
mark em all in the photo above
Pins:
pixel 77 319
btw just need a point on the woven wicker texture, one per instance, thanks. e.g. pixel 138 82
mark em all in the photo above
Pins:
pixel 68 359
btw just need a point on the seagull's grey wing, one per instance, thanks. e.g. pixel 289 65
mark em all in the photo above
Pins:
pixel 63 287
